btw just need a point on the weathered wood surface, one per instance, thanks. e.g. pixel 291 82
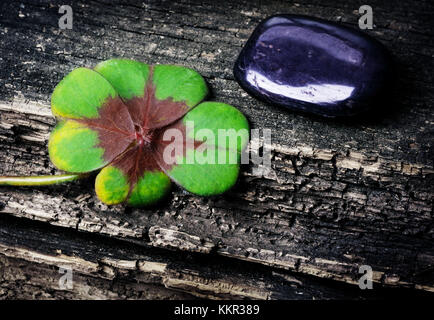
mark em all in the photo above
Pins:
pixel 339 195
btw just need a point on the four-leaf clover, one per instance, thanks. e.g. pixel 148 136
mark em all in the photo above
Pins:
pixel 118 117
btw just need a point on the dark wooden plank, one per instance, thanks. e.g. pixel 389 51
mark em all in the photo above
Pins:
pixel 339 195
pixel 32 253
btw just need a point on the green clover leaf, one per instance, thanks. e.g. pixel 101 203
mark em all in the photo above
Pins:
pixel 143 126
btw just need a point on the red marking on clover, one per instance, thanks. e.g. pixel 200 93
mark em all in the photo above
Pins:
pixel 130 131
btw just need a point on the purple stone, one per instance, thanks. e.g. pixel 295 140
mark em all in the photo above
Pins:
pixel 312 65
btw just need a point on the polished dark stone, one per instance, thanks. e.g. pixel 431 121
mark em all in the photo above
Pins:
pixel 313 65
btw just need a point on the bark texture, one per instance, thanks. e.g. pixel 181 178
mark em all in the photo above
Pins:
pixel 340 194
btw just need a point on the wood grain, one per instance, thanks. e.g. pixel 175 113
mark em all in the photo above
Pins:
pixel 340 194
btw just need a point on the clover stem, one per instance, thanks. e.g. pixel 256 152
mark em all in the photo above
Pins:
pixel 38 180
